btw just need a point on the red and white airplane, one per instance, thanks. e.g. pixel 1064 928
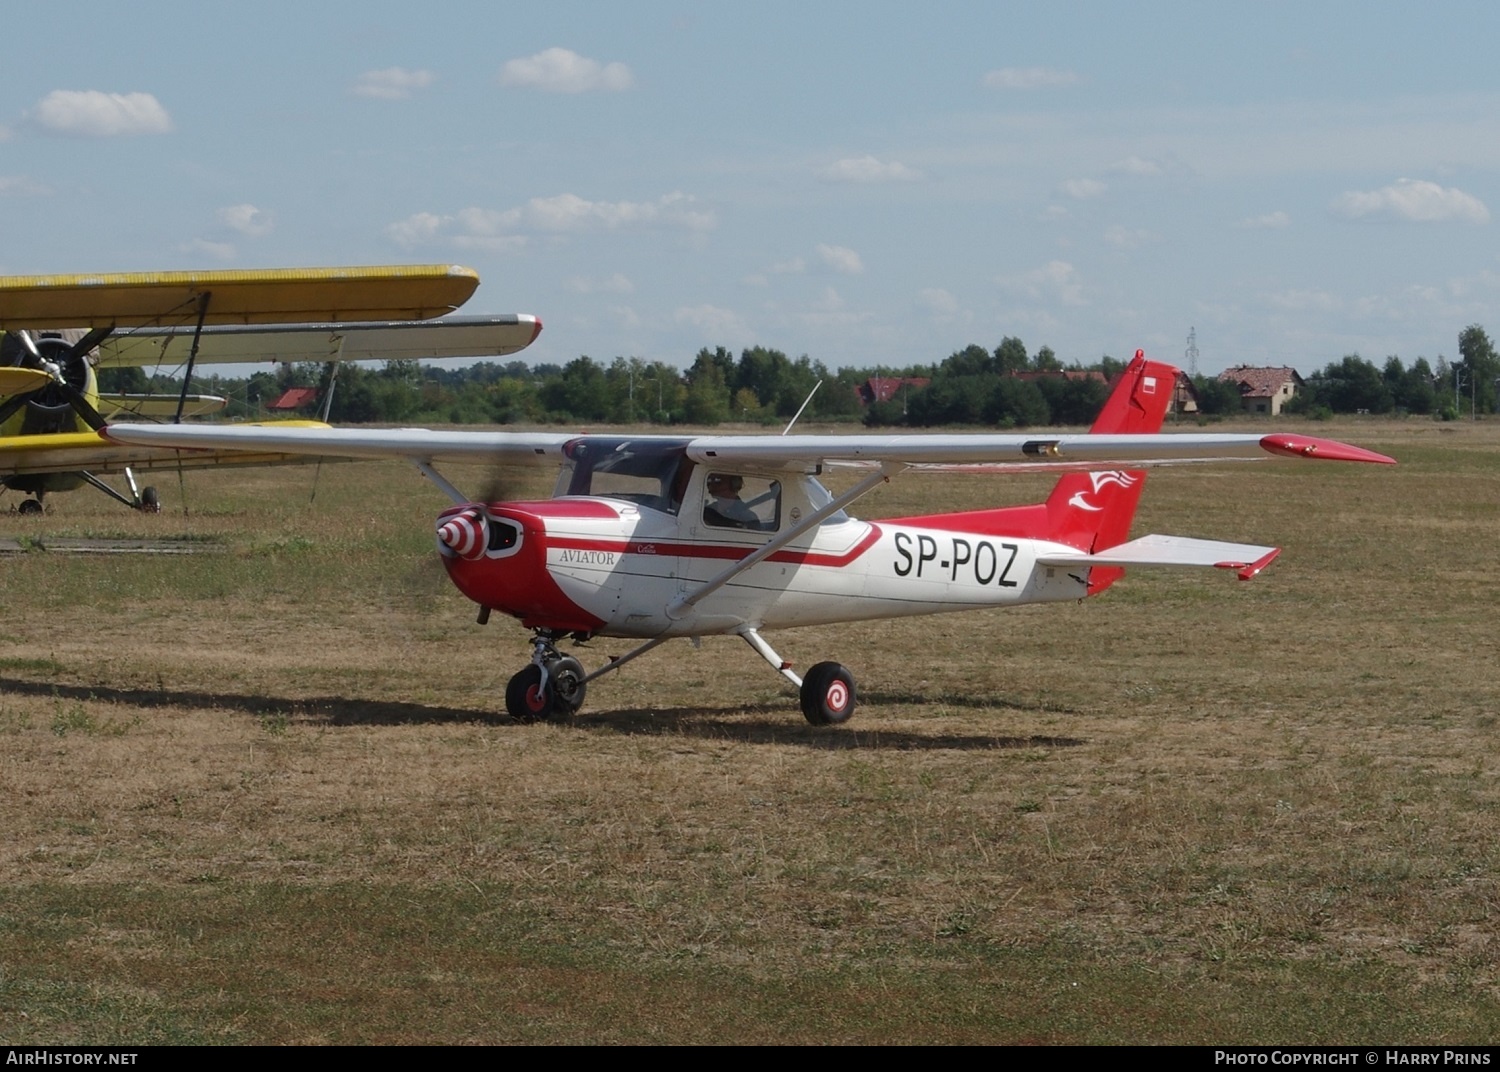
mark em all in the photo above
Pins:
pixel 655 537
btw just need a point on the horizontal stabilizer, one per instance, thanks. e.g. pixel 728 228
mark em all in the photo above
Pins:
pixel 1246 558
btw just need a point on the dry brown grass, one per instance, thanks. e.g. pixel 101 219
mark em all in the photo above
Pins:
pixel 258 796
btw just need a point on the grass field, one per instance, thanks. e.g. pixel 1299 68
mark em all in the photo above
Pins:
pixel 262 795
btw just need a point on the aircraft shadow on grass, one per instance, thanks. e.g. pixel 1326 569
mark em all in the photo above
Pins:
pixel 756 724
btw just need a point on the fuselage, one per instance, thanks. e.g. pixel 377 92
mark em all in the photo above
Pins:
pixel 620 566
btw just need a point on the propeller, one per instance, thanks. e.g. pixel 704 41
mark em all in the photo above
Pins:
pixel 65 366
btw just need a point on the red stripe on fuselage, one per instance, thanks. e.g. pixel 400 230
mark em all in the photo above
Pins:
pixel 661 548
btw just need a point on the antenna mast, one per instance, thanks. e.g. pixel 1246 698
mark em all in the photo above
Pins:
pixel 1191 353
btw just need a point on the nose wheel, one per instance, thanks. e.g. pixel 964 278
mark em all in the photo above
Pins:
pixel 551 689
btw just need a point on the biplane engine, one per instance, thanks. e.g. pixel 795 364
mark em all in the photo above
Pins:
pixel 497 556
pixel 50 408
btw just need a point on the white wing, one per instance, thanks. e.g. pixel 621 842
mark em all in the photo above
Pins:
pixel 1011 452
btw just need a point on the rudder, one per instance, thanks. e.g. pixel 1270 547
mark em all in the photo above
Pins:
pixel 1093 511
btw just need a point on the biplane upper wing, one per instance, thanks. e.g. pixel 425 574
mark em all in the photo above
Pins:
pixel 1008 452
pixel 250 296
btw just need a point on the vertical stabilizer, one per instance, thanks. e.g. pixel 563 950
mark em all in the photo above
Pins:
pixel 1093 511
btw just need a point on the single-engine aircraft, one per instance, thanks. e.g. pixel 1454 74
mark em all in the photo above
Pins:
pixel 655 537
pixel 59 329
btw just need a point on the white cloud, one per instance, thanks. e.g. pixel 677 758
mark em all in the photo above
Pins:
pixel 1134 165
pixel 1083 189
pixel 866 169
pixel 560 70
pixel 841 259
pixel 614 284
pixel 937 301
pixel 92 114
pixel 569 212
pixel 1054 281
pixel 501 230
pixel 1028 78
pixel 795 266
pixel 1412 200
pixel 1271 221
pixel 247 220
pixel 21 186
pixel 713 322
pixel 219 251
pixel 1127 238
pixel 1304 301
pixel 392 83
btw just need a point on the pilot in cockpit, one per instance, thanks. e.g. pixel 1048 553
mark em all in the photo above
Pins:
pixel 724 507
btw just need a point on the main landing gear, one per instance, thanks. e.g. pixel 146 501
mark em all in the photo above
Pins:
pixel 552 688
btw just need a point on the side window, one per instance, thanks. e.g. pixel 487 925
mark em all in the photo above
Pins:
pixel 732 501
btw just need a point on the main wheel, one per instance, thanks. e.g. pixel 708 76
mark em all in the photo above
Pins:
pixel 565 682
pixel 150 501
pixel 828 694
pixel 29 506
pixel 525 699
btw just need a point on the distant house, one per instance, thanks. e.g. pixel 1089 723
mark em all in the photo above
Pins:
pixel 1263 390
pixel 885 388
pixel 294 399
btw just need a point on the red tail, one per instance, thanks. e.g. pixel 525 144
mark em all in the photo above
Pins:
pixel 1093 511
pixel 1089 511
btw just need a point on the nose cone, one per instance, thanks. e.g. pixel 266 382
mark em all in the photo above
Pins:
pixel 464 534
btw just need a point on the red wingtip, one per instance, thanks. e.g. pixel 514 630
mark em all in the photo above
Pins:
pixel 536 331
pixel 1246 572
pixel 1300 446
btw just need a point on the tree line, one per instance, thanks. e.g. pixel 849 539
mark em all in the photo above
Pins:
pixel 1001 387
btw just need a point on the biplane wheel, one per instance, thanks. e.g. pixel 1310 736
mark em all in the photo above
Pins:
pixel 29 506
pixel 525 700
pixel 828 694
pixel 565 682
pixel 150 501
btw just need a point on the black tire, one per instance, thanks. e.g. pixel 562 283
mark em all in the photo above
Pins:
pixel 523 700
pixel 29 507
pixel 565 683
pixel 828 694
pixel 150 501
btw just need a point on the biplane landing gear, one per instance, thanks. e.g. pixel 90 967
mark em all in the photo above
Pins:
pixel 551 688
pixel 29 507
pixel 828 694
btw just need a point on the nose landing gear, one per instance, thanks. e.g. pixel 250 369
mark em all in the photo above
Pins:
pixel 551 689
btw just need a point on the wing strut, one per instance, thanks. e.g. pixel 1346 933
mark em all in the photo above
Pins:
pixel 187 377
pixel 679 606
pixel 437 478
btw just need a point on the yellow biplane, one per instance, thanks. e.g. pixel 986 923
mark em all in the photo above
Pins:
pixel 59 329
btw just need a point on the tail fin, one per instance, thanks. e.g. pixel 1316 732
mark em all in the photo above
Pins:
pixel 1093 511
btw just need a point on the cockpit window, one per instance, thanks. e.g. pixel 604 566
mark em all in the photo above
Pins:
pixel 733 501
pixel 651 473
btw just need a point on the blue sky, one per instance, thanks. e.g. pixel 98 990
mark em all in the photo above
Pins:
pixel 868 184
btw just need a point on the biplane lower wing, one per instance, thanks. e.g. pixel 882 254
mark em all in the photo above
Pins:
pixel 474 337
pixel 73 452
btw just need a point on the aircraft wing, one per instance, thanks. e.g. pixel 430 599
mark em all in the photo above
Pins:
pixel 1009 452
pixel 460 336
pixel 320 440
pixel 1014 453
pixel 250 296
pixel 70 452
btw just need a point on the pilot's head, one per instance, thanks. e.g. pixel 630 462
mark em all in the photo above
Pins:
pixel 724 485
